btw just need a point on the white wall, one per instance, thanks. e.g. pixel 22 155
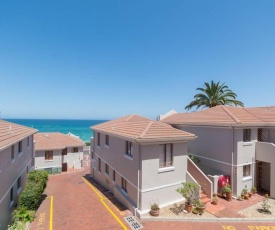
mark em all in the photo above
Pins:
pixel 41 163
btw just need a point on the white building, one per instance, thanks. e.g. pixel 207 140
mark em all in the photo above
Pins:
pixel 56 152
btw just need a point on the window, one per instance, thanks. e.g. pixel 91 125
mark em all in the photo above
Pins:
pixel 11 195
pixel 124 184
pixel 28 142
pixel 114 175
pixel 98 139
pixel 99 164
pixel 129 148
pixel 48 155
pixel 19 147
pixel 107 140
pixel 75 150
pixel 64 151
pixel 92 155
pixel 246 170
pixel 107 169
pixel 166 155
pixel 18 183
pixel 12 152
pixel 246 135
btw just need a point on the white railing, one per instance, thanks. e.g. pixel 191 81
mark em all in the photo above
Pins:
pixel 200 177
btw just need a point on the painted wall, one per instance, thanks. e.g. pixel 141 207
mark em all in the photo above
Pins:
pixel 41 163
pixel 266 152
pixel 245 156
pixel 73 160
pixel 11 170
pixel 115 156
pixel 155 183
pixel 212 143
pixel 215 146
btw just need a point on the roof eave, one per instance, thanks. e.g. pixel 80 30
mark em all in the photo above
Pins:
pixel 20 139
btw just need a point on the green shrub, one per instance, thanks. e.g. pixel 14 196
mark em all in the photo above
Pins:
pixel 17 225
pixel 30 197
pixel 24 215
pixel 38 177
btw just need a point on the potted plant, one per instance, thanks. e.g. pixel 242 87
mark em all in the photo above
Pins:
pixel 215 200
pixel 189 191
pixel 200 206
pixel 154 209
pixel 195 211
pixel 227 190
pixel 245 193
pixel 253 190
pixel 240 198
pixel 215 194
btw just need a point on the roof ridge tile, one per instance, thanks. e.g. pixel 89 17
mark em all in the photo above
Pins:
pixel 231 114
pixel 146 129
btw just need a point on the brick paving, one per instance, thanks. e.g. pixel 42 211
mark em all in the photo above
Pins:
pixel 230 209
pixel 75 206
pixel 186 225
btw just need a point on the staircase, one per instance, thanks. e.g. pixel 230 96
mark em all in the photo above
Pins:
pixel 204 198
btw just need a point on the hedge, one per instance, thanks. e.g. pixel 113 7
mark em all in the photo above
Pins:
pixel 29 198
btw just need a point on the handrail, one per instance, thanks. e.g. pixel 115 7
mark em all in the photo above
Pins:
pixel 200 177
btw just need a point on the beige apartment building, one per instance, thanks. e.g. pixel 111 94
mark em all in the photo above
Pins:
pixel 140 161
pixel 16 160
pixel 232 141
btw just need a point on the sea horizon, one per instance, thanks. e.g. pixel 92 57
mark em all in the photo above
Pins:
pixel 78 127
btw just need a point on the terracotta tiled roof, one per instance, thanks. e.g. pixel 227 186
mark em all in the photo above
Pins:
pixel 11 133
pixel 225 116
pixel 51 141
pixel 142 129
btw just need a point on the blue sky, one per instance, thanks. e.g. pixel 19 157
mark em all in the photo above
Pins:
pixel 105 59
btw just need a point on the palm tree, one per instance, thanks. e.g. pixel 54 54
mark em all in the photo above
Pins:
pixel 214 94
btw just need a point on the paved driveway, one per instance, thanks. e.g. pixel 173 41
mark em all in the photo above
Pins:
pixel 72 202
pixel 75 205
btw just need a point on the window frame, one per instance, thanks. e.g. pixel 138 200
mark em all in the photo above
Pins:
pixel 114 176
pixel 98 139
pixel 11 197
pixel 49 153
pixel 99 165
pixel 129 148
pixel 20 149
pixel 107 140
pixel 165 163
pixel 75 150
pixel 12 153
pixel 246 135
pixel 245 169
pixel 124 184
pixel 107 169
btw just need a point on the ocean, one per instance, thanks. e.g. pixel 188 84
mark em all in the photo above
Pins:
pixel 79 128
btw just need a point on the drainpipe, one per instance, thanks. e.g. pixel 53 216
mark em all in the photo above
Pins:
pixel 232 160
pixel 138 180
